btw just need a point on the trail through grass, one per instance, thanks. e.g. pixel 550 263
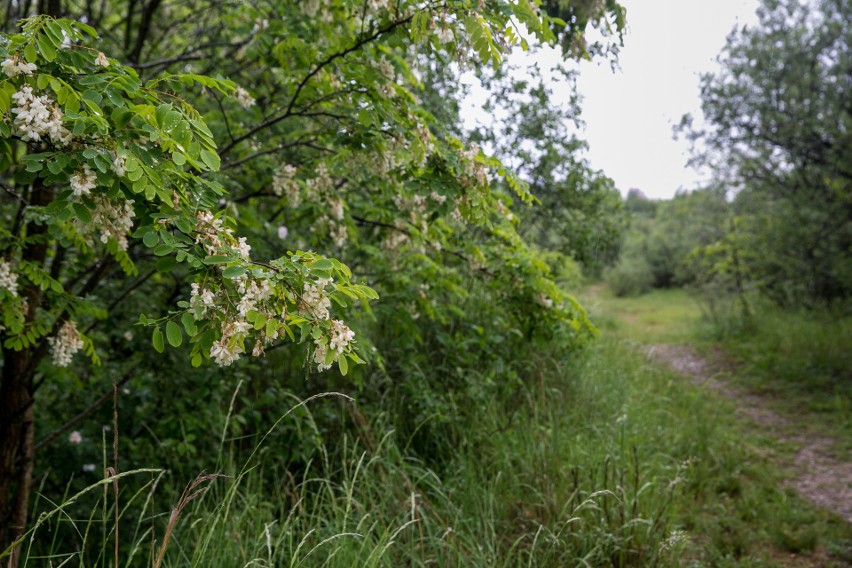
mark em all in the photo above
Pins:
pixel 787 374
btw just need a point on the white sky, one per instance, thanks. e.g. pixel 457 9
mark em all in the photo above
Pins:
pixel 629 114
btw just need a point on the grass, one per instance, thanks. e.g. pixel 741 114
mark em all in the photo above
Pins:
pixel 660 316
pixel 802 362
pixel 603 460
pixel 799 361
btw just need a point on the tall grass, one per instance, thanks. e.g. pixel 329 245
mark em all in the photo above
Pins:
pixel 604 460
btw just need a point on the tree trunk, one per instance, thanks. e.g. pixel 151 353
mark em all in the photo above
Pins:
pixel 16 447
pixel 16 400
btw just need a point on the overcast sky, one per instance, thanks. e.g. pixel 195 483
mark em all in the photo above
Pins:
pixel 630 113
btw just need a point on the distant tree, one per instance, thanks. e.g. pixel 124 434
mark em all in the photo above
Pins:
pixel 778 133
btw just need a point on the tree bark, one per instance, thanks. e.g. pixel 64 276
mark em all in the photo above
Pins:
pixel 16 400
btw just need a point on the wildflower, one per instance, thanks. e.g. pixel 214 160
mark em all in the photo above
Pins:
pixel 102 60
pixel 8 279
pixel 282 232
pixel 65 344
pixel 75 437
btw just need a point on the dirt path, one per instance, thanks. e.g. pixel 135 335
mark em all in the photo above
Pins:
pixel 814 471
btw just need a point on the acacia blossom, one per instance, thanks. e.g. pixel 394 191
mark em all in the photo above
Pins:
pixel 37 117
pixel 244 98
pixel 8 279
pixel 83 182
pixel 14 66
pixel 65 344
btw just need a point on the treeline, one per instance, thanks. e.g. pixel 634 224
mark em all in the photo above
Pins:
pixel 777 221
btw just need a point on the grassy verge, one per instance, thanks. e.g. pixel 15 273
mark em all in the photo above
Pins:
pixel 803 362
pixel 605 460
pixel 800 362
pixel 660 316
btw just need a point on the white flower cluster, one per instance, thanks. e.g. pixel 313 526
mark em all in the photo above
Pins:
pixel 235 329
pixel 8 279
pixel 244 98
pixel 322 183
pixel 315 301
pixel 543 300
pixel 229 347
pixel 472 168
pixel 75 437
pixel 210 229
pixel 112 219
pixel 444 34
pixel 437 197
pixel 37 117
pixel 260 25
pixel 14 66
pixel 340 338
pixel 200 299
pixel 284 183
pixel 83 182
pixel 395 240
pixel 119 166
pixel 252 293
pixel 65 344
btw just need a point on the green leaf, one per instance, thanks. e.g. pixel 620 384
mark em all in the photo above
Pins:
pixel 233 272
pixel 323 264
pixel 196 360
pixel 163 250
pixel 151 239
pixel 188 324
pixel 343 365
pixel 46 48
pixel 83 214
pixel 219 259
pixel 30 53
pixel 157 340
pixel 210 159
pixel 173 334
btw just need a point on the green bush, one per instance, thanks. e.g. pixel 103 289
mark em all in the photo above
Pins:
pixel 631 276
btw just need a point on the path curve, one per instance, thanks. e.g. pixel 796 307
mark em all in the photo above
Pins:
pixel 816 473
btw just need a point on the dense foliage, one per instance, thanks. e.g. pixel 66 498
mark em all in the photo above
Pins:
pixel 777 135
pixel 184 160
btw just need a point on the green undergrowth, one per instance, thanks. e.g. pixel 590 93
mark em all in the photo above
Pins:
pixel 802 362
pixel 660 316
pixel 799 361
pixel 603 460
